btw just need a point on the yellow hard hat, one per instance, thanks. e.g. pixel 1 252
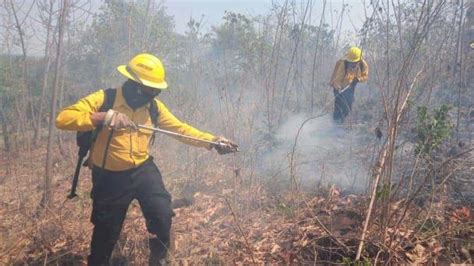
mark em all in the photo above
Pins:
pixel 354 54
pixel 146 69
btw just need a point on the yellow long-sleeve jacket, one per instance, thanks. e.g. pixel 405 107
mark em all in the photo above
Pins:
pixel 342 78
pixel 128 148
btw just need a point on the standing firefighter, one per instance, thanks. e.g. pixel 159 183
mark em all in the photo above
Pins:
pixel 122 169
pixel 347 73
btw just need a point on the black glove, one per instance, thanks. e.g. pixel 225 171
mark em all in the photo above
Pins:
pixel 225 146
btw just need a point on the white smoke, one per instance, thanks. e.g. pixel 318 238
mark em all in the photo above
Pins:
pixel 326 154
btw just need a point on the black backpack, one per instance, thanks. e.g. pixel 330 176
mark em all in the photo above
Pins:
pixel 85 139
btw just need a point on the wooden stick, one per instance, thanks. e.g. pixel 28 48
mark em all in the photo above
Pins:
pixel 381 162
pixel 247 243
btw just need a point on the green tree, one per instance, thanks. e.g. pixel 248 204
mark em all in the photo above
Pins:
pixel 121 30
pixel 431 129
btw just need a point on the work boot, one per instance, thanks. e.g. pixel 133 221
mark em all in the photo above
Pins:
pixel 158 252
pixel 153 261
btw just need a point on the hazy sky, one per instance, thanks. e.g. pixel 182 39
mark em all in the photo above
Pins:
pixel 210 12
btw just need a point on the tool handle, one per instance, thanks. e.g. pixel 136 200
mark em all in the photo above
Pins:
pixel 75 179
pixel 170 133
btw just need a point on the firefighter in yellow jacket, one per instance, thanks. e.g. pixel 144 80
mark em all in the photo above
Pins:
pixel 348 71
pixel 122 169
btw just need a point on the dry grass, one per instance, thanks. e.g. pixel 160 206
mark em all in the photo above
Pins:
pixel 262 229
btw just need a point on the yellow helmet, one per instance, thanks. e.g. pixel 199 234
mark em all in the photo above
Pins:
pixel 145 69
pixel 354 54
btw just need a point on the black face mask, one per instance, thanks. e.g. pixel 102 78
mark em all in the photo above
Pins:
pixel 134 97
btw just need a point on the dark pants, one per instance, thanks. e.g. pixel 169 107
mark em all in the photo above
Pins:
pixel 343 103
pixel 112 193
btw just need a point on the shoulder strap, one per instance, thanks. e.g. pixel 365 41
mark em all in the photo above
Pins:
pixel 154 112
pixel 361 66
pixel 109 99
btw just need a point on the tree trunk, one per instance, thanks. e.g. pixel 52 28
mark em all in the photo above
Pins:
pixel 47 59
pixel 6 137
pixel 458 77
pixel 47 193
pixel 62 149
pixel 314 72
pixel 28 93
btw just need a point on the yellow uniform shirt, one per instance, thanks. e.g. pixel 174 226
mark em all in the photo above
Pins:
pixel 128 148
pixel 342 78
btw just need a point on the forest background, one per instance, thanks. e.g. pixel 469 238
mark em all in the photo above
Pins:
pixel 262 80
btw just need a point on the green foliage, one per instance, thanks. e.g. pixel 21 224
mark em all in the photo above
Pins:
pixel 429 226
pixel 285 209
pixel 383 192
pixel 10 76
pixel 431 129
pixel 121 30
pixel 237 40
pixel 349 261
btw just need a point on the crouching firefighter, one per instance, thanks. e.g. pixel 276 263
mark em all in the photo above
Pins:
pixel 122 169
pixel 348 71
